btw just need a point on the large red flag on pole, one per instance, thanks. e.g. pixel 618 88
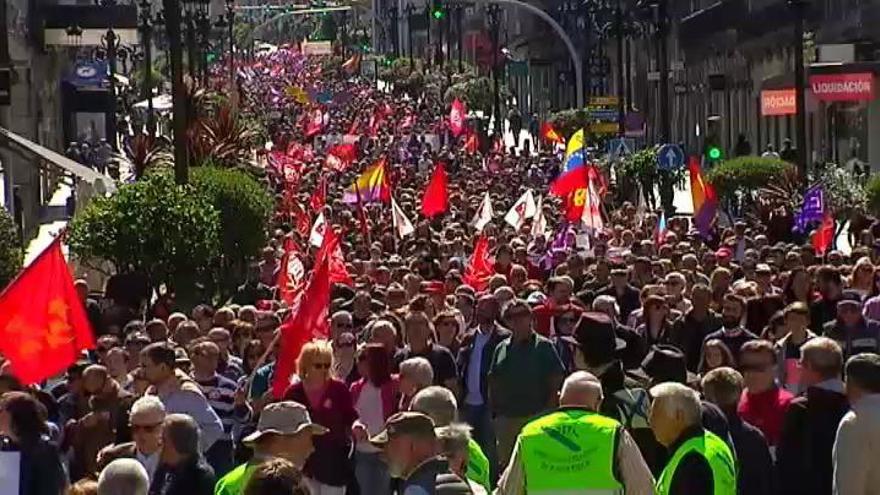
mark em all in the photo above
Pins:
pixel 435 201
pixel 43 325
pixel 309 320
pixel 481 267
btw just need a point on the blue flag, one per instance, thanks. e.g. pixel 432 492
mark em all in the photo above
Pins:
pixel 812 210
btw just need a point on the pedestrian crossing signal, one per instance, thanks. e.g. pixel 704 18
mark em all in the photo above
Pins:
pixel 437 12
pixel 714 153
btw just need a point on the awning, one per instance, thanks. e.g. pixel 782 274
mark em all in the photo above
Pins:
pixel 98 180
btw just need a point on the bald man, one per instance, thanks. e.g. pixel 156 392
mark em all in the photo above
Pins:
pixel 576 449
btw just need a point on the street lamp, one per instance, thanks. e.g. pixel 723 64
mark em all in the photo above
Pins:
pixel 203 31
pixel 178 96
pixel 409 9
pixel 800 7
pixel 146 28
pixel 493 11
pixel 227 21
pixel 392 29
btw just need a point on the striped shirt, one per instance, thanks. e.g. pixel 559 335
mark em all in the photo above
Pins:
pixel 220 392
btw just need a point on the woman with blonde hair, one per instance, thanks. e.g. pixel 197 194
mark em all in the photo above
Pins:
pixel 329 468
pixel 862 279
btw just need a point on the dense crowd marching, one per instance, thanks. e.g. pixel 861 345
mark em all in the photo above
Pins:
pixel 426 383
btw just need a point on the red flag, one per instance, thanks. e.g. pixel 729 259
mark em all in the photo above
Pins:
pixel 341 156
pixel 319 195
pixel 549 134
pixel 291 275
pixel 315 123
pixel 43 325
pixel 309 320
pixel 457 116
pixel 823 237
pixel 570 182
pixel 435 200
pixel 480 267
pixel 354 128
pixel 338 271
pixel 472 144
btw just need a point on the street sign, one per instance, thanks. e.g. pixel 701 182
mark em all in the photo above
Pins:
pixel 620 147
pixel 599 101
pixel 670 157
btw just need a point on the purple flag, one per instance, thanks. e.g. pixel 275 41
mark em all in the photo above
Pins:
pixel 812 210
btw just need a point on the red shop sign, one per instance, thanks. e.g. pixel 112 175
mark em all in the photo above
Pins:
pixel 843 87
pixel 778 102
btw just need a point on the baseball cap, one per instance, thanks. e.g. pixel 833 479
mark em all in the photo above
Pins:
pixel 284 418
pixel 405 423
pixel 850 297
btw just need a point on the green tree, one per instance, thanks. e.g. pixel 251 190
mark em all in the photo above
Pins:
pixel 154 227
pixel 11 254
pixel 245 206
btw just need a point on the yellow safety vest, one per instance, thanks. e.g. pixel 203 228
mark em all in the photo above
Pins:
pixel 570 452
pixel 716 452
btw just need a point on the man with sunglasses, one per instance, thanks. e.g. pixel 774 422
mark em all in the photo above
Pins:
pixel 763 403
pixel 145 421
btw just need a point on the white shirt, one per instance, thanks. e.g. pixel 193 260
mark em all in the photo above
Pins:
pixel 474 376
pixel 150 462
pixel 369 409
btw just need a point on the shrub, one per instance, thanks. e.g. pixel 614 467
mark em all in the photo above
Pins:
pixel 245 206
pixel 872 191
pixel 747 173
pixel 477 93
pixel 11 253
pixel 154 227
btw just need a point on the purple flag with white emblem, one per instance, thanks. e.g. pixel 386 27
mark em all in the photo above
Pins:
pixel 812 210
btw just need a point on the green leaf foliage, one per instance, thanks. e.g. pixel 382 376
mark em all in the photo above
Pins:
pixel 476 92
pixel 872 191
pixel 11 254
pixel 168 232
pixel 244 205
pixel 747 173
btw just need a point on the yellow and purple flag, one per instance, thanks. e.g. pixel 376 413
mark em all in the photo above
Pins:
pixel 370 187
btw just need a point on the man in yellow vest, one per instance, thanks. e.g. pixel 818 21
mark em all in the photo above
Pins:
pixel 700 463
pixel 576 450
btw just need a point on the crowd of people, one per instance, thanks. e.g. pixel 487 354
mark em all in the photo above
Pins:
pixel 633 363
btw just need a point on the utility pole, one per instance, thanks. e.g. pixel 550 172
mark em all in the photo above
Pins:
pixel 112 41
pixel 493 11
pixel 178 97
pixel 799 7
pixel 660 21
pixel 147 36
pixel 618 32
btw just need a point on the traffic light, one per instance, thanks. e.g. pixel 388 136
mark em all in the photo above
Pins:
pixel 714 153
pixel 437 11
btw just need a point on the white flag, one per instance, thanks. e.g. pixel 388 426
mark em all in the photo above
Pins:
pixel 641 208
pixel 591 216
pixel 484 213
pixel 523 208
pixel 539 223
pixel 316 238
pixel 401 224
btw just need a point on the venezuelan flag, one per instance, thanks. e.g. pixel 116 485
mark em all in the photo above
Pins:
pixel 370 187
pixel 575 143
pixel 705 200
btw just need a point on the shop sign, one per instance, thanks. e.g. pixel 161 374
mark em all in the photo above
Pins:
pixel 843 87
pixel 778 102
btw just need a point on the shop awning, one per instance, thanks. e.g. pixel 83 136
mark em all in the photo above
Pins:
pixel 96 179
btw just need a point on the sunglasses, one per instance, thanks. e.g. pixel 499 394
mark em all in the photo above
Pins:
pixel 321 366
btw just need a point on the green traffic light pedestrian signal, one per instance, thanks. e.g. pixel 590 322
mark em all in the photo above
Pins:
pixel 437 13
pixel 714 153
